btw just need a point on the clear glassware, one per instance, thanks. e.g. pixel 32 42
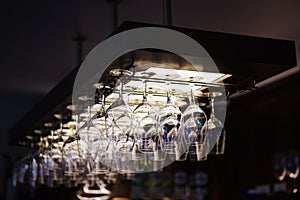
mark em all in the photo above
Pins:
pixel 214 132
pixel 74 168
pixel 148 140
pixel 15 174
pixel 119 111
pixel 169 122
pixel 57 167
pixel 192 121
pixel 74 163
pixel 89 138
pixel 29 167
pixel 102 122
pixel 40 161
pixel 53 166
pixel 292 164
pixel 22 171
pixel 279 166
pixel 119 130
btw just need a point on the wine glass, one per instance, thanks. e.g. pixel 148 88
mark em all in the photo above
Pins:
pixel 29 166
pixel 292 164
pixel 22 171
pixel 55 156
pixel 57 159
pixel 53 163
pixel 214 132
pixel 75 164
pixel 119 131
pixel 33 164
pixel 102 122
pixel 169 117
pixel 119 111
pixel 192 121
pixel 89 137
pixel 40 160
pixel 148 140
pixel 279 166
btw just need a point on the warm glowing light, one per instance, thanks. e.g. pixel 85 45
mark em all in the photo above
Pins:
pixel 295 190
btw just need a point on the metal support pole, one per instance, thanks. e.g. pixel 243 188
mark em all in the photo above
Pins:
pixel 167 12
pixel 114 13
pixel 79 39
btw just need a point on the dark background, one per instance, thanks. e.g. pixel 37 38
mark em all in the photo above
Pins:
pixel 37 52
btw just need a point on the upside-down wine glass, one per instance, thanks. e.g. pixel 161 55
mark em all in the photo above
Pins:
pixel 40 161
pixel 89 137
pixel 292 164
pixel 119 131
pixel 53 156
pixel 192 121
pixel 214 131
pixel 101 122
pixel 32 173
pixel 100 171
pixel 169 117
pixel 279 166
pixel 58 157
pixel 147 137
pixel 74 163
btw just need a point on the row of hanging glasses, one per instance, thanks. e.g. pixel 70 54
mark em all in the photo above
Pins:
pixel 144 125
pixel 60 162
pixel 140 124
pixel 286 165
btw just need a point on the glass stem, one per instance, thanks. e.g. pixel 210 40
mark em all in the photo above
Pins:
pixel 31 146
pixel 105 115
pixel 192 97
pixel 212 113
pixel 102 109
pixel 168 92
pixel 88 122
pixel 40 145
pixel 52 135
pixel 145 91
pixel 60 129
pixel 121 88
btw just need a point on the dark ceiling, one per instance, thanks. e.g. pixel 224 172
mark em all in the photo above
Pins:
pixel 37 50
